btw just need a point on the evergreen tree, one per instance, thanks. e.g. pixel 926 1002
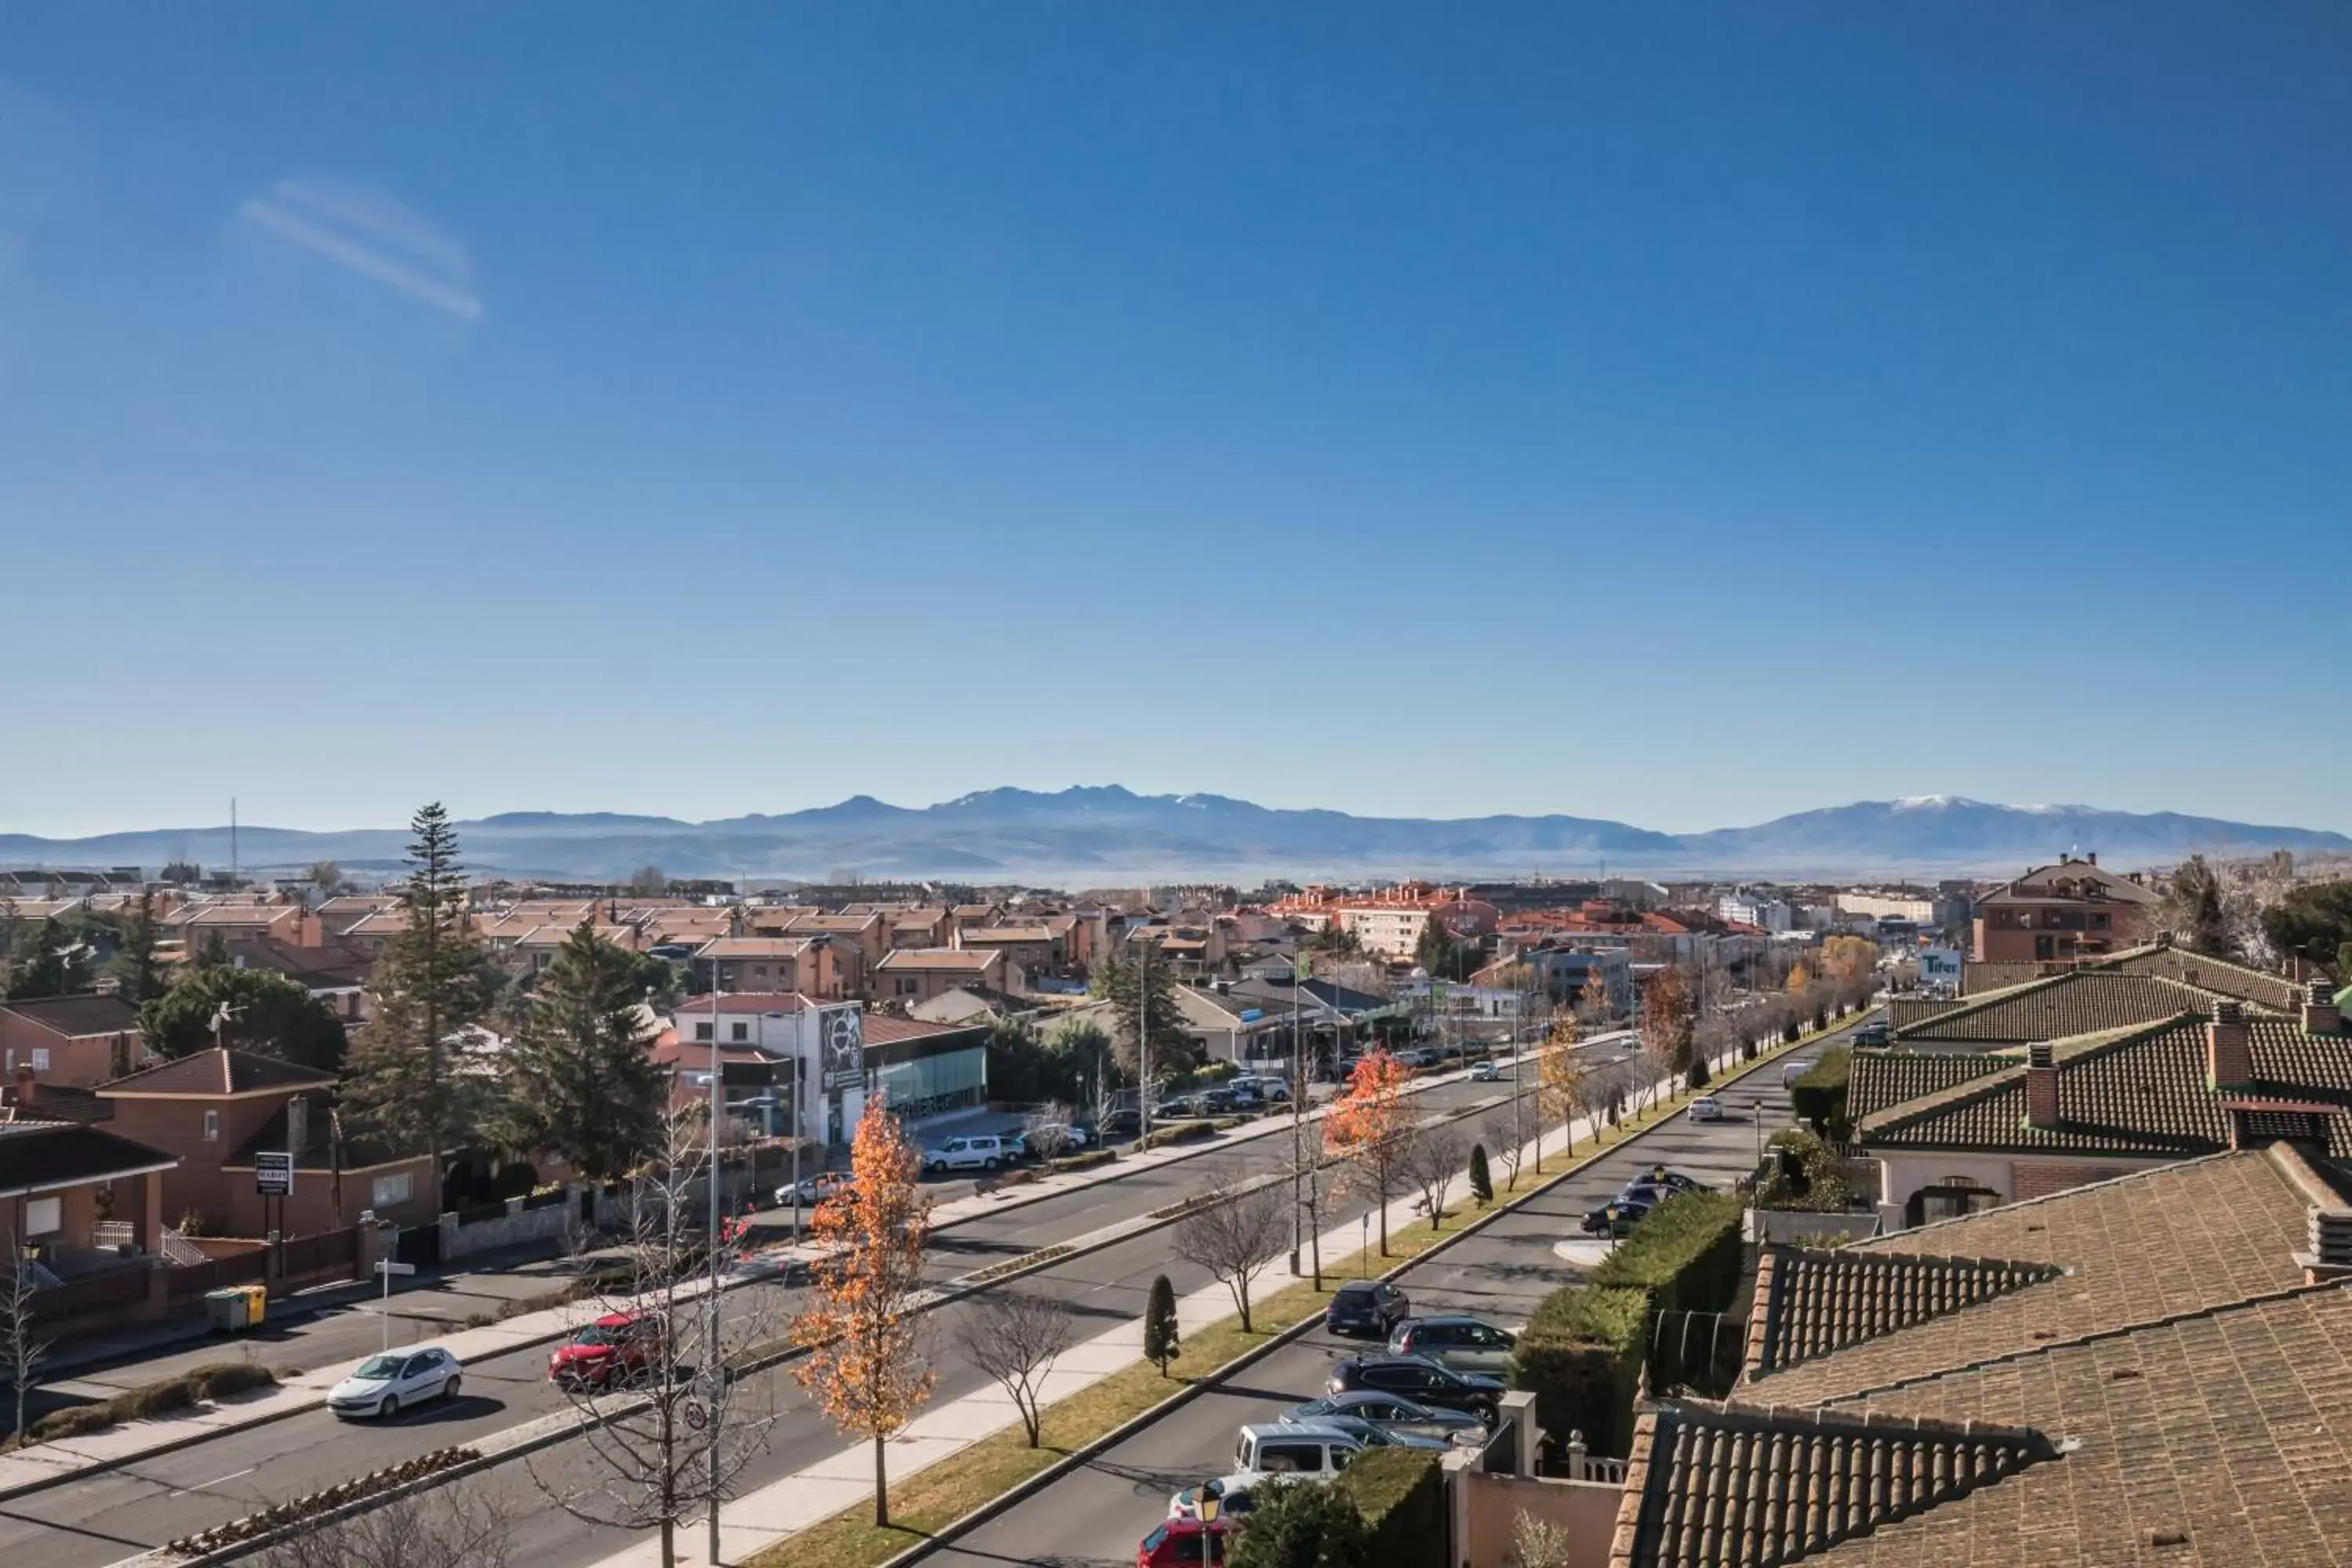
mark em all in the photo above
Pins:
pixel 50 962
pixel 133 965
pixel 2191 909
pixel 580 1083
pixel 267 1013
pixel 1162 1343
pixel 1145 987
pixel 1481 1183
pixel 406 1079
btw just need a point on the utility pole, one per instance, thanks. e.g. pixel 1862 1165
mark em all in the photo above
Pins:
pixel 1143 1045
pixel 711 1371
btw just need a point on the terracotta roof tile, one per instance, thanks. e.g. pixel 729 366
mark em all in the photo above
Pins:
pixel 2064 1005
pixel 221 1072
pixel 1812 1300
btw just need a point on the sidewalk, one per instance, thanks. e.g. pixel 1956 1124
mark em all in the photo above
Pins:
pixel 50 1464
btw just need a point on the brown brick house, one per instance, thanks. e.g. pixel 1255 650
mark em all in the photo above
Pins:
pixel 61 1179
pixel 2020 1387
pixel 70 1041
pixel 2071 908
pixel 813 965
pixel 913 974
pixel 213 1109
pixel 1961 1131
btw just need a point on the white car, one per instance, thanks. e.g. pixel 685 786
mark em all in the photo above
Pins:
pixel 976 1151
pixel 1706 1108
pixel 1488 1071
pixel 386 1385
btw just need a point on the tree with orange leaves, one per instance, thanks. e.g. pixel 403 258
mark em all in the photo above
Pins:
pixel 865 1366
pixel 1370 1125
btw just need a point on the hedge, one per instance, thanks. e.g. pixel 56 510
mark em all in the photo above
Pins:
pixel 1085 1162
pixel 214 1380
pixel 1401 1492
pixel 1685 1253
pixel 1580 1355
pixel 1819 1096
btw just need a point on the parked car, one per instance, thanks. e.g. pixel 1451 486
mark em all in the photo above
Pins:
pixel 1420 1380
pixel 1456 1341
pixel 616 1349
pixel 1873 1033
pixel 1617 1217
pixel 382 1385
pixel 1125 1122
pixel 1300 1452
pixel 1670 1180
pixel 1366 1307
pixel 1706 1108
pixel 1219 1101
pixel 1489 1071
pixel 973 1151
pixel 1418 1057
pixel 1388 1412
pixel 1176 1543
pixel 814 1189
pixel 1372 1435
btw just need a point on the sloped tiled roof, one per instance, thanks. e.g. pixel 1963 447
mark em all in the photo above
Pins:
pixel 2139 1091
pixel 972 961
pixel 1812 1300
pixel 2064 1005
pixel 218 1071
pixel 1902 1012
pixel 1715 1484
pixel 1877 1079
pixel 79 1016
pixel 43 1156
pixel 2158 1243
pixel 1976 978
pixel 2274 991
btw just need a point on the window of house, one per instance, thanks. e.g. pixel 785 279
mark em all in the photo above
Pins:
pixel 40 1058
pixel 212 1126
pixel 45 1216
pixel 9 1065
pixel 702 1030
pixel 740 1032
pixel 391 1190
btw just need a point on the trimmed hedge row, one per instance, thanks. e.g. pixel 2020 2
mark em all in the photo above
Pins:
pixel 1819 1097
pixel 211 1381
pixel 1400 1493
pixel 1582 1352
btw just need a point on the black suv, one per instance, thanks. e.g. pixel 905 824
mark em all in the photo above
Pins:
pixel 1419 1379
pixel 1366 1307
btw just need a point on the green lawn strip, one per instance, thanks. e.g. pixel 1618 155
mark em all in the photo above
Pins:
pixel 937 1496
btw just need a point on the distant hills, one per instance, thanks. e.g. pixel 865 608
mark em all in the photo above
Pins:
pixel 1096 835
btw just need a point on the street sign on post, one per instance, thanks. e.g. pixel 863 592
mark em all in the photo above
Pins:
pixel 273 1173
pixel 389 1267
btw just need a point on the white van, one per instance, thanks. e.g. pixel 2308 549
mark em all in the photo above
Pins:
pixel 973 1151
pixel 1295 1451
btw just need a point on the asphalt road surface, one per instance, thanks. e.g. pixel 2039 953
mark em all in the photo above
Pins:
pixel 1095 1515
pixel 115 1514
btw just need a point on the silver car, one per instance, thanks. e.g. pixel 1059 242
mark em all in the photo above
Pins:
pixel 1456 1341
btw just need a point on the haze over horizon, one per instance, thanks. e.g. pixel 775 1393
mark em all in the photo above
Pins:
pixel 1678 418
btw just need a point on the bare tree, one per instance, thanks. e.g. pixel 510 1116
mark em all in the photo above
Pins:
pixel 1540 1543
pixel 1015 1338
pixel 1233 1230
pixel 1431 1161
pixel 456 1526
pixel 1502 1137
pixel 1047 1130
pixel 669 1431
pixel 21 1348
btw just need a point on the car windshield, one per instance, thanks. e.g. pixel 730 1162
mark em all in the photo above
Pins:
pixel 378 1368
pixel 593 1335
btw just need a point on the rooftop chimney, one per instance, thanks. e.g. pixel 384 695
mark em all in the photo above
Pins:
pixel 28 1086
pixel 2319 1012
pixel 297 1125
pixel 2330 1256
pixel 2041 1086
pixel 2229 1051
pixel 2093 857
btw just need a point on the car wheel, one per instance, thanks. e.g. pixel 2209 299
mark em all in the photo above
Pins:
pixel 989 1163
pixel 389 1408
pixel 449 1389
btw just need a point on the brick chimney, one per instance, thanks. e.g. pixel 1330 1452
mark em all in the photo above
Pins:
pixel 2319 1013
pixel 2330 1256
pixel 2041 1086
pixel 28 1088
pixel 2229 1050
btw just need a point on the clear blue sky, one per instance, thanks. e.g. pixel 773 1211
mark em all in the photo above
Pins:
pixel 1677 413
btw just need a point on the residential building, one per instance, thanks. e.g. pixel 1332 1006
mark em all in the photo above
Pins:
pixel 192 925
pixel 2142 1371
pixel 214 1109
pixel 812 964
pixel 867 934
pixel 919 927
pixel 1253 1030
pixel 2067 909
pixel 333 973
pixel 1033 948
pixel 1760 906
pixel 1953 1132
pixel 65 1187
pixel 1888 903
pixel 78 1041
pixel 916 974
pixel 841 1053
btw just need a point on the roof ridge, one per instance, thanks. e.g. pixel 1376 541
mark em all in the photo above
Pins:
pixel 2100 1336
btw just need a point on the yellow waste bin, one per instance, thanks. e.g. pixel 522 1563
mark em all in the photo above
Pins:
pixel 256 1304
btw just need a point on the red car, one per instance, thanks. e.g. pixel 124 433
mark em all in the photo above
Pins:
pixel 617 1348
pixel 1176 1543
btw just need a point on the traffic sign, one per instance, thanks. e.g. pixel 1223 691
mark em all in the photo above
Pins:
pixel 389 1267
pixel 273 1174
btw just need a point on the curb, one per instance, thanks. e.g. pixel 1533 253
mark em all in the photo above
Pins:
pixel 1020 1491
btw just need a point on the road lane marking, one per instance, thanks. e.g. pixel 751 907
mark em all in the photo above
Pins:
pixel 203 1485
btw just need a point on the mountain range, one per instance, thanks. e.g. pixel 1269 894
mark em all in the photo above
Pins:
pixel 1102 835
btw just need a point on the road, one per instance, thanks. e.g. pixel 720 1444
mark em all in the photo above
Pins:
pixel 1095 1514
pixel 112 1515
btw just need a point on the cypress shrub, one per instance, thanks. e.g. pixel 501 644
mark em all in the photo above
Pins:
pixel 1401 1494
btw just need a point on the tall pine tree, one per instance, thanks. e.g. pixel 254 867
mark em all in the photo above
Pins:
pixel 50 961
pixel 1144 991
pixel 406 1078
pixel 580 1083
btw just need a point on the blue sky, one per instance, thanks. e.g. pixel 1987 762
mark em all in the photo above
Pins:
pixel 1679 414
